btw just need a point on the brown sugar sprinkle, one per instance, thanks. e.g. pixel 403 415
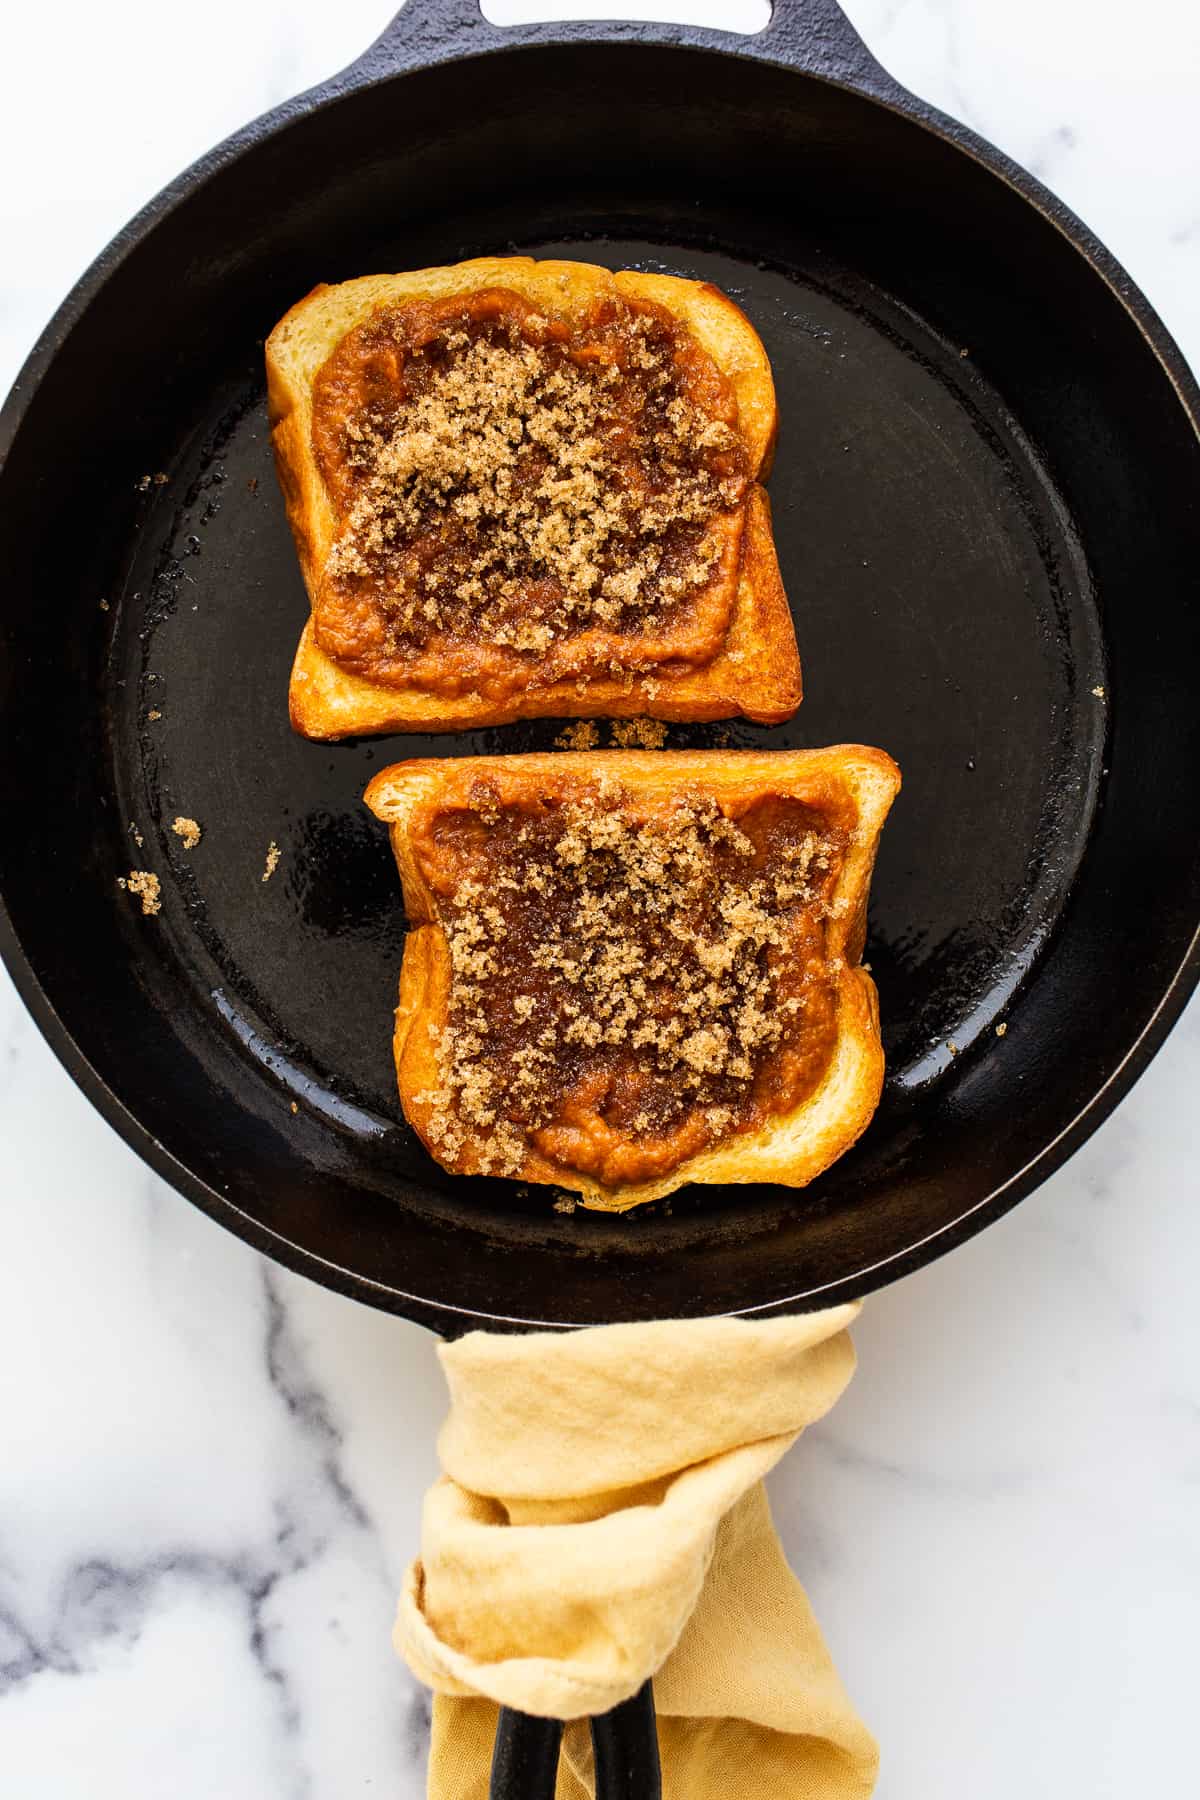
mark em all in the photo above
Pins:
pixel 645 968
pixel 272 862
pixel 145 886
pixel 187 831
pixel 514 479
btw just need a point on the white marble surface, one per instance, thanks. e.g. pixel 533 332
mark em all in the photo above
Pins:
pixel 210 1470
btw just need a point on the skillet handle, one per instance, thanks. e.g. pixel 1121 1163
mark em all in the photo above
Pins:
pixel 427 31
pixel 816 36
pixel 625 1743
pixel 810 35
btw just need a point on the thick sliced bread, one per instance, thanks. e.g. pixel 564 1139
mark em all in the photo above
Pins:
pixel 757 671
pixel 789 1149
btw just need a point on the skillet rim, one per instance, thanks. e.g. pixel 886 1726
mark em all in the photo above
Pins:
pixel 387 61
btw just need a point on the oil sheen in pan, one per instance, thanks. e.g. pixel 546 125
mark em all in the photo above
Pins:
pixel 943 612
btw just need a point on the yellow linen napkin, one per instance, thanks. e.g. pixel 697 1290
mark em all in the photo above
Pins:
pixel 601 1519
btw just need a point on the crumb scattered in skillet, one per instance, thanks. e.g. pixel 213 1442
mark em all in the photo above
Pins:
pixel 154 713
pixel 1000 1030
pixel 145 885
pixel 272 863
pixel 623 734
pixel 584 734
pixel 187 831
pixel 638 734
pixel 135 834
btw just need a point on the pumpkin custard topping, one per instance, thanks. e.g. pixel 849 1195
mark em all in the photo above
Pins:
pixel 521 499
pixel 631 980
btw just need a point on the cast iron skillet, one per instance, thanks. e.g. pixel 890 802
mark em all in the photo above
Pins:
pixel 986 507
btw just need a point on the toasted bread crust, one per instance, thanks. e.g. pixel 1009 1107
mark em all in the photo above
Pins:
pixel 791 1149
pixel 757 673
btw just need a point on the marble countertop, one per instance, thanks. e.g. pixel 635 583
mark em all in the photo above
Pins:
pixel 211 1470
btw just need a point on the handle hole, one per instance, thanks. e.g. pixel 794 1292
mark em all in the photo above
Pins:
pixel 746 17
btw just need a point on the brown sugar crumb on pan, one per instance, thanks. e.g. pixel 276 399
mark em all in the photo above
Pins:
pixel 627 985
pixel 638 734
pixel 272 862
pixel 144 886
pixel 623 734
pixel 187 831
pixel 584 734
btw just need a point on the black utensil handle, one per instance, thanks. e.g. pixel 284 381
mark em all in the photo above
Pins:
pixel 525 1757
pixel 813 35
pixel 625 1743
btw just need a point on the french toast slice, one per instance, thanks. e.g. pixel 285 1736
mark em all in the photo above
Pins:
pixel 629 970
pixel 373 657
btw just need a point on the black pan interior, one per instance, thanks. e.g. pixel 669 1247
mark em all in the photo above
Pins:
pixel 985 507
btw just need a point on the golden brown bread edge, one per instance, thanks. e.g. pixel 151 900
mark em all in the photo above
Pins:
pixel 757 674
pixel 790 1150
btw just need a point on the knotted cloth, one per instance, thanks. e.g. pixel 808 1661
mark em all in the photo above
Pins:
pixel 601 1519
